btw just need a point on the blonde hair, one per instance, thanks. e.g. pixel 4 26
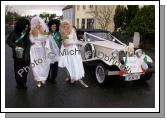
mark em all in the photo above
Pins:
pixel 65 32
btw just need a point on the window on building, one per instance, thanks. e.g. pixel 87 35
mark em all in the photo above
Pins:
pixel 77 22
pixel 90 6
pixel 90 23
pixel 84 6
pixel 83 24
pixel 78 6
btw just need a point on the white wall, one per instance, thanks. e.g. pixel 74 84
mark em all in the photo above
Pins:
pixel 68 15
pixel 82 13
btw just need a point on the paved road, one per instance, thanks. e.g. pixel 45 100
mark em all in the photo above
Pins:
pixel 116 94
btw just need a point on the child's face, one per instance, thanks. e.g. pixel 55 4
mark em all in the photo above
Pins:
pixel 53 27
pixel 38 25
pixel 66 26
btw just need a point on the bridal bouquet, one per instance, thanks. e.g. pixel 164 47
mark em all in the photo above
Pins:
pixel 66 39
pixel 45 33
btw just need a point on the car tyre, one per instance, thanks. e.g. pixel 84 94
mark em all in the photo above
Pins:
pixel 100 74
pixel 148 75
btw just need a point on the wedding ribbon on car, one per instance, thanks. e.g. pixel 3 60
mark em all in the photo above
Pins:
pixel 21 37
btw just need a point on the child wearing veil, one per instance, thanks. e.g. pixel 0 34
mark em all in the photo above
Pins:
pixel 55 44
pixel 73 61
pixel 39 49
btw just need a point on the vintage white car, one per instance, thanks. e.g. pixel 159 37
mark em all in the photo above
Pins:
pixel 108 56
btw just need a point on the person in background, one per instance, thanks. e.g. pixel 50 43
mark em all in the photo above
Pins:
pixel 19 41
pixel 55 44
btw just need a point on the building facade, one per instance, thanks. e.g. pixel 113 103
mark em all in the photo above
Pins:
pixel 81 16
pixel 83 19
pixel 69 13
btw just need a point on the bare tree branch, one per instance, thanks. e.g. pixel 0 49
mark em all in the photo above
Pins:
pixel 103 15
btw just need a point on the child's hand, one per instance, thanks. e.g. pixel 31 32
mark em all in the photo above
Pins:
pixel 34 32
pixel 66 45
pixel 65 38
pixel 41 31
pixel 80 43
pixel 33 43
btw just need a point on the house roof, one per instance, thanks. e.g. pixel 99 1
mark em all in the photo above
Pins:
pixel 67 7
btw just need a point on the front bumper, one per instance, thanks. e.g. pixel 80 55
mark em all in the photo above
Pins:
pixel 118 72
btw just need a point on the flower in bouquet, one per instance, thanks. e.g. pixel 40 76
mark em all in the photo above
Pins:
pixel 45 33
pixel 65 38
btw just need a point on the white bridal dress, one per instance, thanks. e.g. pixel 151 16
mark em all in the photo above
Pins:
pixel 38 53
pixel 70 58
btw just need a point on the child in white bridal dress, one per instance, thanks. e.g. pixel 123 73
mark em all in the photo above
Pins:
pixel 38 51
pixel 70 56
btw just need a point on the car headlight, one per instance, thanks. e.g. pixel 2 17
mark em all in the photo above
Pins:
pixel 139 52
pixel 115 53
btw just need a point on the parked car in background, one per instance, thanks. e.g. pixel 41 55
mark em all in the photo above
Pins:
pixel 108 56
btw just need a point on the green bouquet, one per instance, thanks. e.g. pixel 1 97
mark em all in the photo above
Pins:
pixel 65 38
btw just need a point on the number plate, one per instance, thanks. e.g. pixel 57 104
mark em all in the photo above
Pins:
pixel 131 77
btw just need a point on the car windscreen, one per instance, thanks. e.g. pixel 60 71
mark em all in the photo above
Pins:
pixel 98 36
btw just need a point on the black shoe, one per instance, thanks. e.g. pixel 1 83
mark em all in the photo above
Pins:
pixel 52 81
pixel 24 87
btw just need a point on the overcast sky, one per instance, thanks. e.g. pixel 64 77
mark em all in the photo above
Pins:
pixel 37 9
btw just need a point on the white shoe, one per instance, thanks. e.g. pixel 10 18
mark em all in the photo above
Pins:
pixel 72 81
pixel 43 82
pixel 67 79
pixel 39 84
pixel 82 83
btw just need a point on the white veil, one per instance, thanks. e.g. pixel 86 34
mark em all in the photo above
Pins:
pixel 36 21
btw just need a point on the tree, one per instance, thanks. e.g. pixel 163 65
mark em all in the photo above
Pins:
pixel 103 15
pixel 144 21
pixel 119 17
pixel 11 17
pixel 45 16
pixel 130 13
pixel 52 16
pixel 41 15
pixel 7 9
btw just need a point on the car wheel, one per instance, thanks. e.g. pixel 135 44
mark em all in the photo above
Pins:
pixel 148 75
pixel 100 75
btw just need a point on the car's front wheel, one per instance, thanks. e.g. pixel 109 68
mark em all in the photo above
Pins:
pixel 100 75
pixel 149 74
